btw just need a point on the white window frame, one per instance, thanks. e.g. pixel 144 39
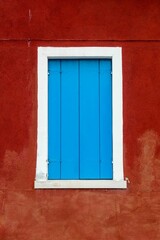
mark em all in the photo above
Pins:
pixel 45 53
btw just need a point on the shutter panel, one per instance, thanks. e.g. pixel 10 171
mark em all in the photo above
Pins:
pixel 54 119
pixel 89 119
pixel 69 120
pixel 106 171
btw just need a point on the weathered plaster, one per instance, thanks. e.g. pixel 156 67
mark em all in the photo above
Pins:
pixel 30 214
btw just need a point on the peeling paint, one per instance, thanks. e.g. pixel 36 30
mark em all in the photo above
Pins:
pixel 29 42
pixel 40 176
pixel 29 15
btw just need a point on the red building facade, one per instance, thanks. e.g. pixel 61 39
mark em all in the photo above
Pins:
pixel 26 213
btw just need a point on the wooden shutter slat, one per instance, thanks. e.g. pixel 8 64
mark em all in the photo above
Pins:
pixel 106 171
pixel 89 119
pixel 54 119
pixel 69 120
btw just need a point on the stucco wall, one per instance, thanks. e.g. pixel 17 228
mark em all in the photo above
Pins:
pixel 30 214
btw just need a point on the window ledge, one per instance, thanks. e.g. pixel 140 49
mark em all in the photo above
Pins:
pixel 79 184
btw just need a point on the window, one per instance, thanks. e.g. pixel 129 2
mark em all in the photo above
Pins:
pixel 80 140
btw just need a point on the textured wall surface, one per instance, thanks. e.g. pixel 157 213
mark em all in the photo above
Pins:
pixel 30 214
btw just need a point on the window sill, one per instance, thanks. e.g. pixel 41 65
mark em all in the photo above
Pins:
pixel 80 184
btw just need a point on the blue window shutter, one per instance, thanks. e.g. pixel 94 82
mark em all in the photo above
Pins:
pixel 54 78
pixel 106 171
pixel 69 120
pixel 89 119
pixel 80 119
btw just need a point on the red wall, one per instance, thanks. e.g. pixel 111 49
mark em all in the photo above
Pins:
pixel 30 214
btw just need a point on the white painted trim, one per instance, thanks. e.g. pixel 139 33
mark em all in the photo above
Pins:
pixel 45 53
pixel 63 184
pixel 117 117
pixel 42 132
